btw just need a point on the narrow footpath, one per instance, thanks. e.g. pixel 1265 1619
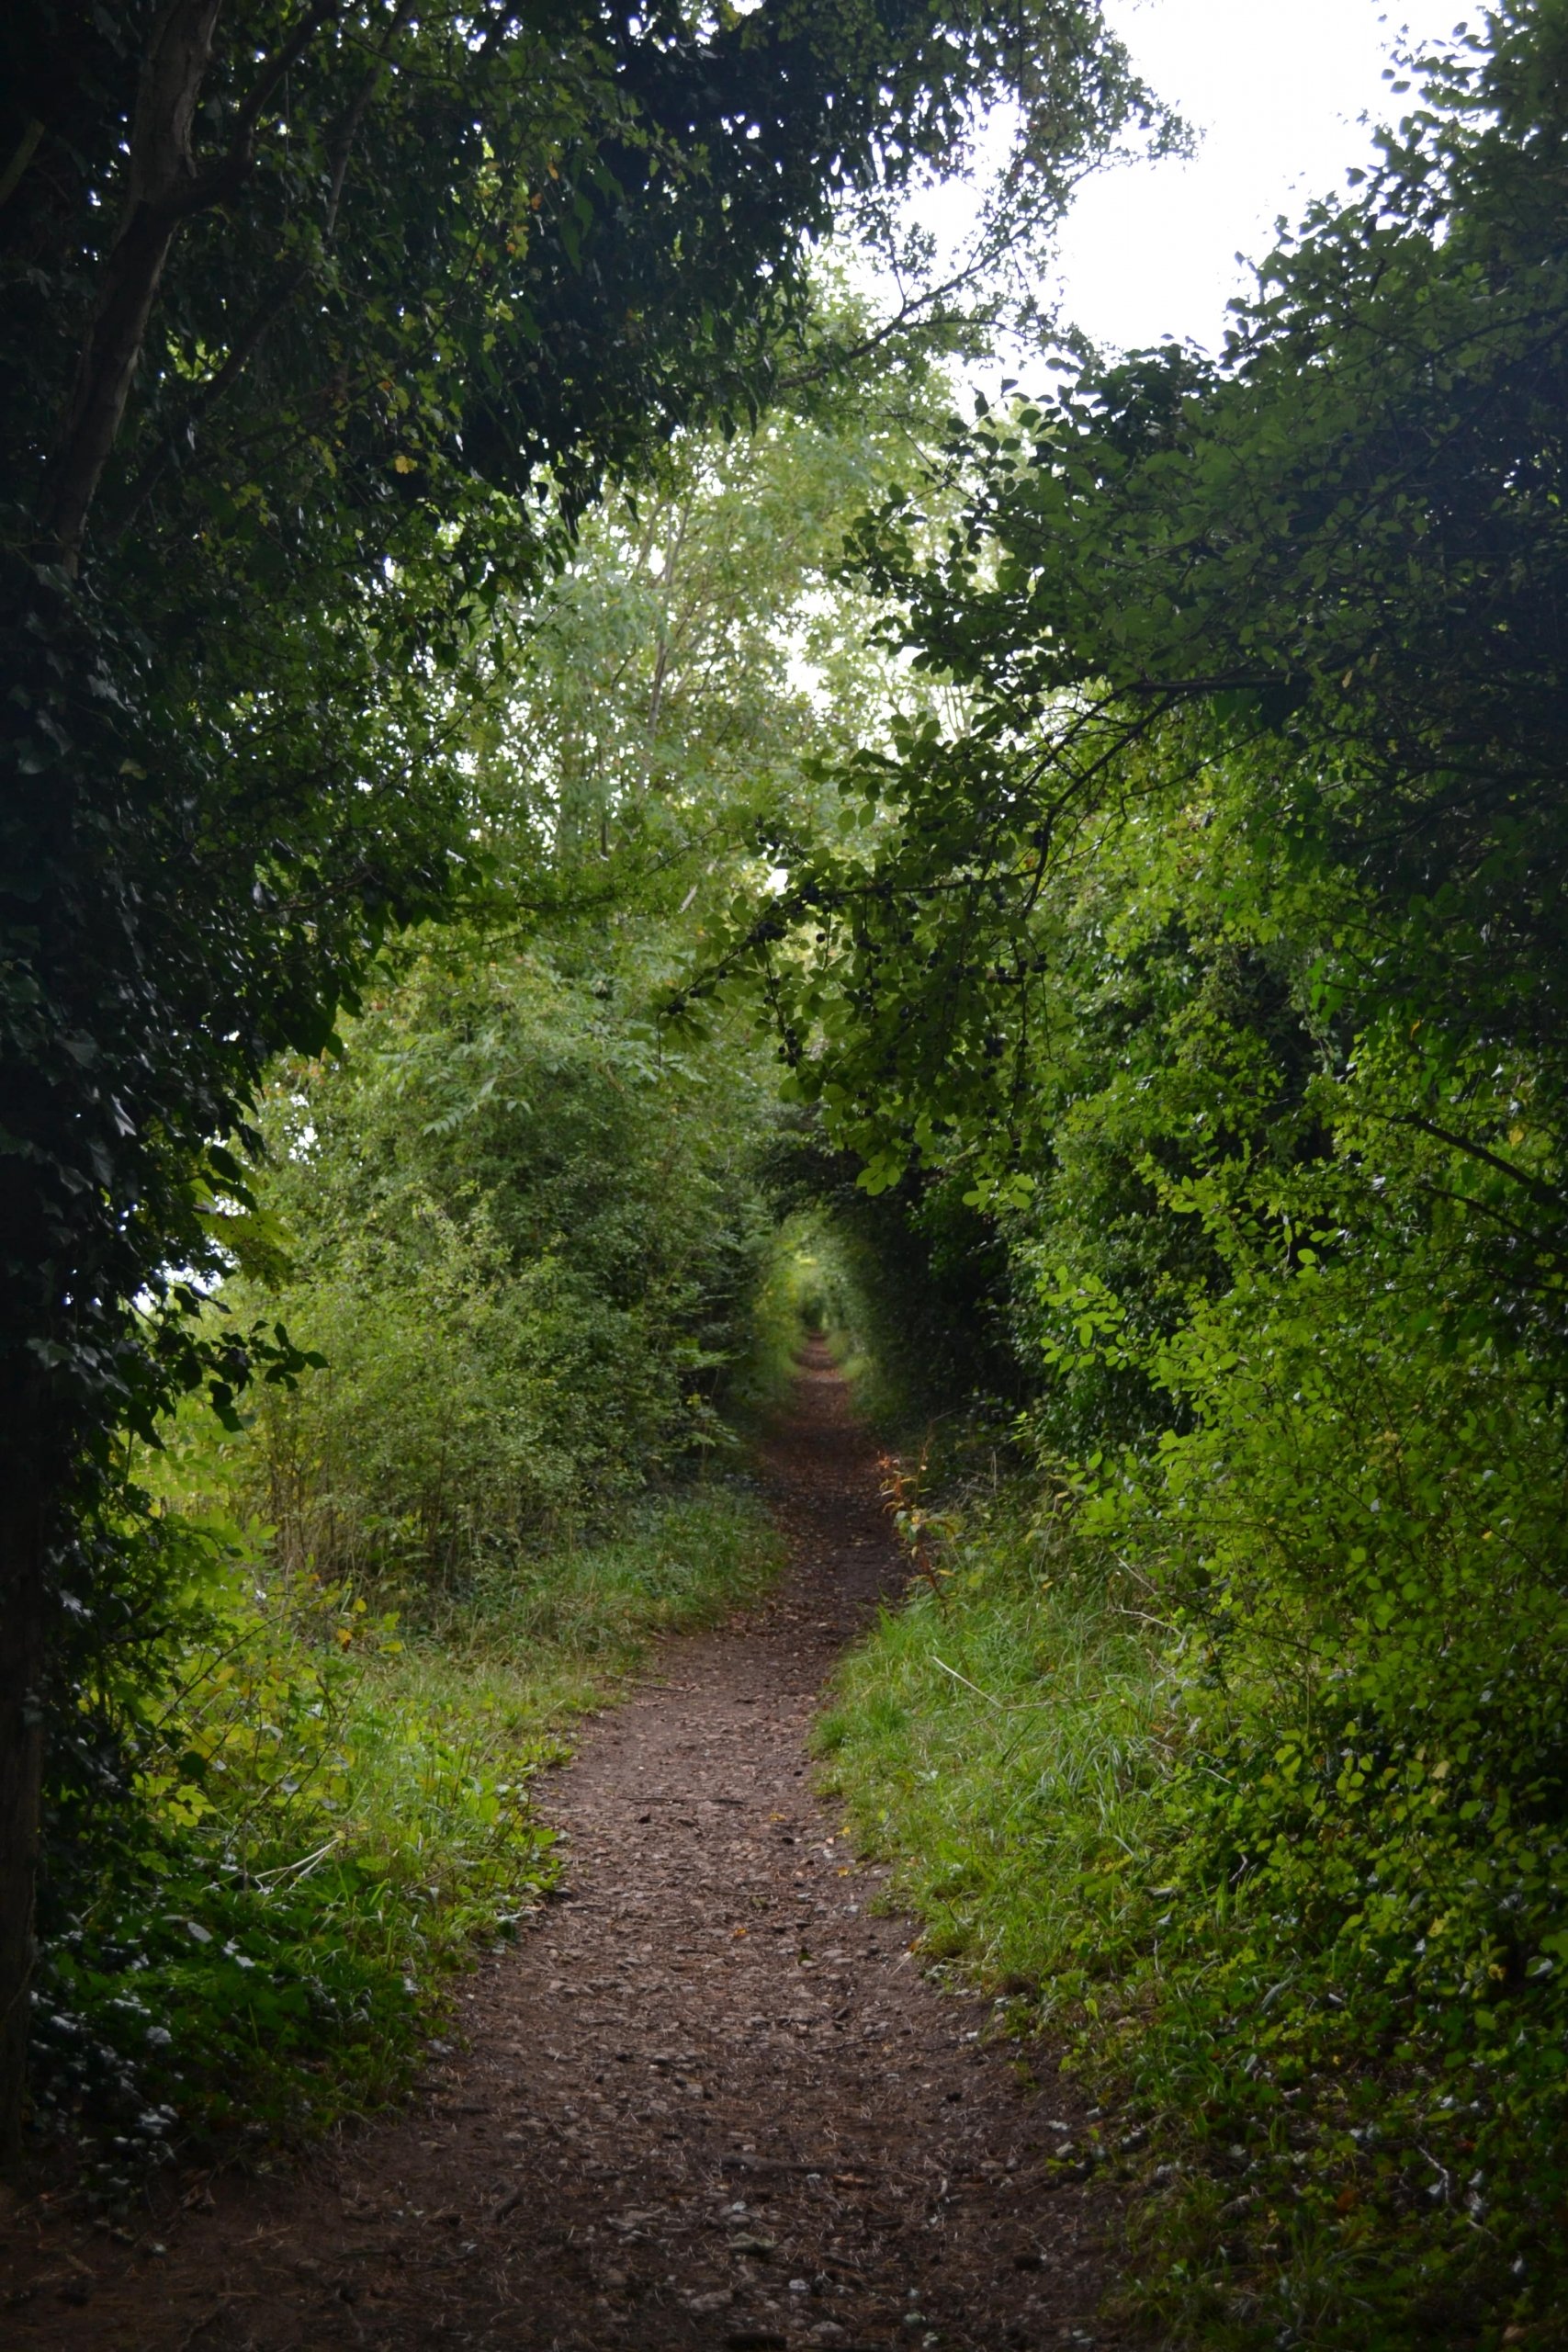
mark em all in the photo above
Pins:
pixel 708 2104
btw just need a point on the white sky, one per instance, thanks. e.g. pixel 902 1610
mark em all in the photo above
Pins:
pixel 1276 88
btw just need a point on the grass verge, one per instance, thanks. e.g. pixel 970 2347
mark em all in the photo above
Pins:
pixel 998 1742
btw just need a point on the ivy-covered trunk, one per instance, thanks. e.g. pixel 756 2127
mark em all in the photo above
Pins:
pixel 23 1518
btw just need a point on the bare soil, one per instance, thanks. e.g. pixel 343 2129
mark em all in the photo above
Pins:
pixel 709 2101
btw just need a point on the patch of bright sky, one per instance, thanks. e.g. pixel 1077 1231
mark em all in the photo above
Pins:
pixel 1277 90
pixel 1285 96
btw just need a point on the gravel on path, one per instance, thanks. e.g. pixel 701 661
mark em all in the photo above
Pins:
pixel 709 2103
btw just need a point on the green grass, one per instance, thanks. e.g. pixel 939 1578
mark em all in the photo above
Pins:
pixel 673 1565
pixel 998 1744
pixel 335 1811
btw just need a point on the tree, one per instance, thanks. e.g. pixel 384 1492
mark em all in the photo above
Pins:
pixel 1335 557
pixel 322 322
pixel 662 706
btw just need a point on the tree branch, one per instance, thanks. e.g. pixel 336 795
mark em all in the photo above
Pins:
pixel 172 75
pixel 1547 1194
pixel 21 157
pixel 284 289
pixel 161 190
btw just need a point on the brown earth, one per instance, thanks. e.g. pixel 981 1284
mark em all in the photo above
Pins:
pixel 711 2101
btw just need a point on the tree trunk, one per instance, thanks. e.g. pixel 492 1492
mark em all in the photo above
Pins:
pixel 159 162
pixel 23 1505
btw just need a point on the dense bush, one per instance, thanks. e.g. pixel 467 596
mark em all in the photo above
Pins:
pixel 525 1244
pixel 1267 1791
pixel 255 1937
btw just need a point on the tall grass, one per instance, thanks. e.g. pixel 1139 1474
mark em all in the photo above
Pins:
pixel 998 1740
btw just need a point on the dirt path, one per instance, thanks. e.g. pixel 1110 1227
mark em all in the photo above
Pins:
pixel 710 2102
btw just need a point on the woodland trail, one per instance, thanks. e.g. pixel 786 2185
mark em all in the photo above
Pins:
pixel 709 2103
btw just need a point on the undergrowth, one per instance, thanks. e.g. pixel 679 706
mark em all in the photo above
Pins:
pixel 332 1809
pixel 1333 2151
